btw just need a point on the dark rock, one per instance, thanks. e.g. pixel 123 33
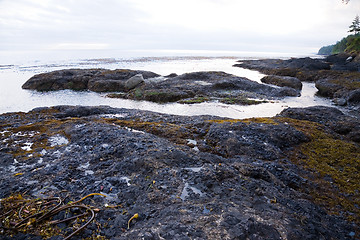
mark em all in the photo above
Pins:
pixel 336 120
pixel 343 62
pixel 98 80
pixel 354 96
pixel 308 63
pixel 327 88
pixel 291 92
pixel 106 85
pixel 293 65
pixel 189 87
pixel 171 75
pixel 247 181
pixel 76 79
pixel 337 58
pixel 206 86
pixel 165 95
pixel 283 81
pixel 265 141
pixel 335 77
pixel 318 114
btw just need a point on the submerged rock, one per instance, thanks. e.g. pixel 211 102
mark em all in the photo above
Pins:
pixel 262 178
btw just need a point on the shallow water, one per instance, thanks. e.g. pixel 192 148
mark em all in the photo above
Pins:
pixel 13 98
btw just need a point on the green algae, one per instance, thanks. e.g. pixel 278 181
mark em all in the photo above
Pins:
pixel 332 164
pixel 336 167
pixel 174 132
pixel 241 101
pixel 195 100
pixel 248 121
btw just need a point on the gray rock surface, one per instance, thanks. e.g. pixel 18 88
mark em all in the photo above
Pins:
pixel 98 80
pixel 336 77
pixel 188 87
pixel 283 81
pixel 134 81
pixel 187 177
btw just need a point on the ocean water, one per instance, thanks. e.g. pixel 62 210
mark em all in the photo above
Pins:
pixel 17 68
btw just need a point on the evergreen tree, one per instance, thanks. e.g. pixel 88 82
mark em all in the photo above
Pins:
pixel 355 26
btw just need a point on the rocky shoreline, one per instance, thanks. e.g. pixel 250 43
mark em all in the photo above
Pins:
pixel 336 77
pixel 146 175
pixel 189 177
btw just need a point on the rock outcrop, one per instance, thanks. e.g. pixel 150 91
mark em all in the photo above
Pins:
pixel 143 85
pixel 98 80
pixel 283 81
pixel 336 77
pixel 207 86
pixel 293 176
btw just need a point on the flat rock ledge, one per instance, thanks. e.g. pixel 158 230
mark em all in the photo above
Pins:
pixel 293 176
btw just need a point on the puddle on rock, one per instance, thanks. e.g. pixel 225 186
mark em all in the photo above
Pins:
pixel 185 192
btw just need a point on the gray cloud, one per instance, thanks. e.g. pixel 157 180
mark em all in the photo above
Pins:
pixel 126 24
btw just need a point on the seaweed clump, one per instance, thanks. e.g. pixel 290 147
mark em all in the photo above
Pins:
pixel 44 217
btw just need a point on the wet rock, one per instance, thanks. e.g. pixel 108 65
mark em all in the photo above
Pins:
pixel 98 80
pixel 354 96
pixel 340 101
pixel 140 85
pixel 336 120
pixel 171 75
pixel 289 67
pixel 246 180
pixel 76 79
pixel 335 77
pixel 283 81
pixel 326 88
pixel 344 62
pixel 319 114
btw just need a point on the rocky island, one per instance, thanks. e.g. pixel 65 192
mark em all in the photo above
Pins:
pixel 128 174
pixel 141 85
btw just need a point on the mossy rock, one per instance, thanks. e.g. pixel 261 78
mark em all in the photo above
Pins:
pixel 241 101
pixel 283 81
pixel 164 96
pixel 335 166
pixel 195 100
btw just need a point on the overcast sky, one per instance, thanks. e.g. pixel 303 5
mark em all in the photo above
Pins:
pixel 231 25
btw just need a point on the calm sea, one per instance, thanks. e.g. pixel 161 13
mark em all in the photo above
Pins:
pixel 17 67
